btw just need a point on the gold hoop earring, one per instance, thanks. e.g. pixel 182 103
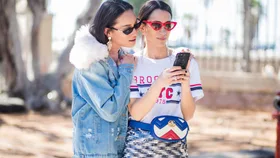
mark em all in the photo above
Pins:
pixel 109 43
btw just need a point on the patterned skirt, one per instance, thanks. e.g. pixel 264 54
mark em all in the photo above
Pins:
pixel 140 143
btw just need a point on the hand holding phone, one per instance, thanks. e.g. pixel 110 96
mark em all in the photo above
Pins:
pixel 182 60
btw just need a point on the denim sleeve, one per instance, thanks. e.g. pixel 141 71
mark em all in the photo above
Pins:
pixel 107 101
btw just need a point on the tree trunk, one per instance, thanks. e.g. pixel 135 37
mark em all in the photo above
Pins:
pixel 251 19
pixel 64 66
pixel 45 91
pixel 38 9
pixel 10 48
pixel 247 36
pixel 49 94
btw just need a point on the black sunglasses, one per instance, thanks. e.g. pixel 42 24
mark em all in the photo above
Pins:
pixel 130 29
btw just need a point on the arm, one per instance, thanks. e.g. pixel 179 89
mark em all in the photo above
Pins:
pixel 187 102
pixel 191 90
pixel 107 101
pixel 139 107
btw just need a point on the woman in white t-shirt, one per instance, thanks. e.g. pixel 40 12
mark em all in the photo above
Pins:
pixel 162 96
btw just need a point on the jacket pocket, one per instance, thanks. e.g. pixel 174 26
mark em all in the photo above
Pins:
pixel 93 142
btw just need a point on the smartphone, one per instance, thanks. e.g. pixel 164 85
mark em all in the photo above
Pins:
pixel 182 60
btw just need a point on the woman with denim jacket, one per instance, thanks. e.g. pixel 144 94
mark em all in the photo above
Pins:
pixel 101 80
pixel 162 95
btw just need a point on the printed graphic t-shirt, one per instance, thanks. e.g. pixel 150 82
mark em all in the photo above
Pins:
pixel 168 102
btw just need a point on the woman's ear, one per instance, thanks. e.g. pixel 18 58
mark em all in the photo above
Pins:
pixel 107 32
pixel 143 29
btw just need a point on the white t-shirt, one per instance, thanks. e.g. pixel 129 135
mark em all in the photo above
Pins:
pixel 168 103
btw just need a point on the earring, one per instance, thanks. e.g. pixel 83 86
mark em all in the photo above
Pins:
pixel 142 42
pixel 109 43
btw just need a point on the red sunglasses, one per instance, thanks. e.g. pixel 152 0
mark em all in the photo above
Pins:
pixel 157 25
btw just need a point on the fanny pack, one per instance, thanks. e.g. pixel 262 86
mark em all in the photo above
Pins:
pixel 165 128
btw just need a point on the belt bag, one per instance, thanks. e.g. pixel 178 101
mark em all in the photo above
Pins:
pixel 165 128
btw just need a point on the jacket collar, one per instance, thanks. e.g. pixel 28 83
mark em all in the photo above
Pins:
pixel 86 49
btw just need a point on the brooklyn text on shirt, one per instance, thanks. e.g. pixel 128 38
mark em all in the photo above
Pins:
pixel 144 79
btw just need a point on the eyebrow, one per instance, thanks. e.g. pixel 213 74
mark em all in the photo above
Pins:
pixel 125 25
pixel 159 21
pixel 128 25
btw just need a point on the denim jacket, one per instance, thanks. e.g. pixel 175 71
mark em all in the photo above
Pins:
pixel 100 92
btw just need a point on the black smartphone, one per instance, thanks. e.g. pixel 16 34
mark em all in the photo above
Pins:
pixel 182 60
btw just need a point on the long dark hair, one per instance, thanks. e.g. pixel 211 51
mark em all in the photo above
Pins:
pixel 147 8
pixel 106 17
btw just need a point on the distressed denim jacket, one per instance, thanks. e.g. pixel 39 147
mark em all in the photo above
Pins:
pixel 100 92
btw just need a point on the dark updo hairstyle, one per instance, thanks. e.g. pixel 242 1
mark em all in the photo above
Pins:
pixel 106 17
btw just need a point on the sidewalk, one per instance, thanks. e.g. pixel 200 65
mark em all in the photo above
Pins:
pixel 266 153
pixel 231 134
pixel 213 134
